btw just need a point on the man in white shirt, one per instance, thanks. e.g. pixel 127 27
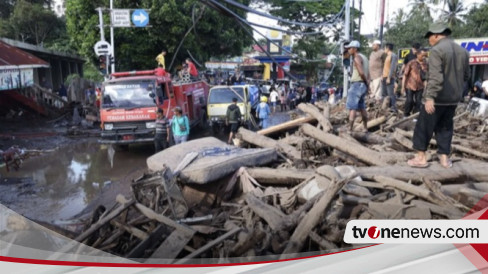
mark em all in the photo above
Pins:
pixel 273 96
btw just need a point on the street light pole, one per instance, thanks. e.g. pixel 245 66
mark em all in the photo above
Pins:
pixel 112 66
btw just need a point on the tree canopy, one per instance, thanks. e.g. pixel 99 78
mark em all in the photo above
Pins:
pixel 213 35
pixel 31 21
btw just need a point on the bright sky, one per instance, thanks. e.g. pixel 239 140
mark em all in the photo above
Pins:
pixel 371 16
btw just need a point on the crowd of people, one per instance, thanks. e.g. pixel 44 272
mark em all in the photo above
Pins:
pixel 433 88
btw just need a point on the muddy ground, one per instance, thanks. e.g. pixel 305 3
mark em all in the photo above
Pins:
pixel 68 173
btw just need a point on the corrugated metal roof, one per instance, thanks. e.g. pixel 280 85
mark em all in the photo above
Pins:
pixel 12 57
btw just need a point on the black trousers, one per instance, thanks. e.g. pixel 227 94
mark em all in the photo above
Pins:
pixel 441 123
pixel 414 101
pixel 160 143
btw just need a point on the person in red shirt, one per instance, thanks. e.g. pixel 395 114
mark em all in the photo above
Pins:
pixel 192 70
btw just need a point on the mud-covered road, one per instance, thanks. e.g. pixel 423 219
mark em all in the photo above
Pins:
pixel 71 173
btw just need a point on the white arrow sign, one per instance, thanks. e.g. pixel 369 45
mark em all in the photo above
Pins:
pixel 140 17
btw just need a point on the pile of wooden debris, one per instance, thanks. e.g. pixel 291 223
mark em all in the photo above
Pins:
pixel 302 202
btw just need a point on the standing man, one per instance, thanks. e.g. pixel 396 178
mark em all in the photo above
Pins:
pixel 412 55
pixel 160 59
pixel 273 96
pixel 448 70
pixel 413 82
pixel 375 69
pixel 161 136
pixel 359 85
pixel 192 70
pixel 389 70
pixel 232 118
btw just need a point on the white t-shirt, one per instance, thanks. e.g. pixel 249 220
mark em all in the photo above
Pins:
pixel 485 86
pixel 274 96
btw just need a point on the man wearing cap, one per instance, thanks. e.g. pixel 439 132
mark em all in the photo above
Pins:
pixel 376 59
pixel 359 85
pixel 448 70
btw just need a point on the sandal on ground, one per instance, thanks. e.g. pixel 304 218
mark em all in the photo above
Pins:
pixel 416 163
pixel 448 164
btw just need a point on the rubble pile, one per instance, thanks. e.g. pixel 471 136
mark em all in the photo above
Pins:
pixel 323 177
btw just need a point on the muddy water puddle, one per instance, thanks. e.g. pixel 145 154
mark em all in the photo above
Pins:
pixel 60 184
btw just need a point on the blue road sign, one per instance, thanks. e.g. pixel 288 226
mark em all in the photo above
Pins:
pixel 140 18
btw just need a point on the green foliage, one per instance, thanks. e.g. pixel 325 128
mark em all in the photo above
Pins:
pixel 31 23
pixel 476 23
pixel 309 12
pixel 214 35
pixel 91 72
pixel 409 29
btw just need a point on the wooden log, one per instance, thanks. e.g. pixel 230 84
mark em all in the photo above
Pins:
pixel 312 218
pixel 288 177
pixel 466 169
pixel 323 243
pixel 263 141
pixel 276 219
pixel 372 123
pixel 412 189
pixel 209 245
pixel 455 147
pixel 436 209
pixel 399 122
pixel 402 140
pixel 160 218
pixel 315 112
pixel 369 138
pixel 362 153
pixel 287 125
pixel 173 244
pixel 132 230
pixel 138 251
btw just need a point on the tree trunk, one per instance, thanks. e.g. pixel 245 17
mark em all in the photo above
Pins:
pixel 315 112
pixel 286 177
pixel 463 170
pixel 311 219
pixel 263 141
pixel 362 153
pixel 287 126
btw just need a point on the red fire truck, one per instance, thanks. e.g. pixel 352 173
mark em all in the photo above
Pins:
pixel 130 100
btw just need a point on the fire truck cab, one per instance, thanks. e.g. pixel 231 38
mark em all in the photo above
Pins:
pixel 130 100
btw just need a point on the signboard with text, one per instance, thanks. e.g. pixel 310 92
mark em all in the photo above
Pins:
pixel 121 18
pixel 16 78
pixel 477 48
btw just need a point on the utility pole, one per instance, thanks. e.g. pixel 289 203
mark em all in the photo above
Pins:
pixel 360 16
pixel 382 19
pixel 347 36
pixel 112 66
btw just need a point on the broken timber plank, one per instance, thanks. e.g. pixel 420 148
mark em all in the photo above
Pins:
pixel 362 153
pixel 276 219
pixel 311 219
pixel 465 169
pixel 173 244
pixel 287 125
pixel 263 141
pixel 406 119
pixel 288 177
pixel 315 112
pixel 209 245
